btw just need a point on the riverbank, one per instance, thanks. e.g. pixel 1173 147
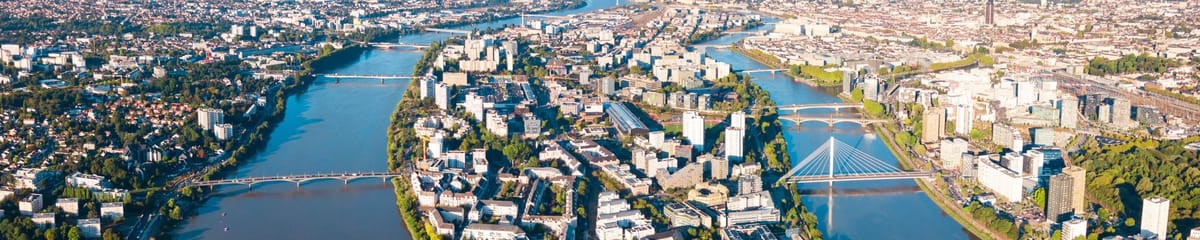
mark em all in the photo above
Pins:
pixel 941 200
pixel 775 63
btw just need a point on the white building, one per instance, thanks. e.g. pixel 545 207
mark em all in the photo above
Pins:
pixel 951 152
pixel 693 129
pixel 223 131
pixel 44 220
pixel 89 181
pixel 1155 213
pixel 497 124
pixel 1002 181
pixel 428 86
pixel 1074 228
pixel 481 231
pixel 442 96
pixel 68 205
pixel 734 141
pixel 737 119
pixel 964 118
pixel 89 227
pixel 112 210
pixel 209 117
pixel 30 204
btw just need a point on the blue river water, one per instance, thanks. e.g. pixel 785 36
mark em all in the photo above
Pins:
pixel 341 127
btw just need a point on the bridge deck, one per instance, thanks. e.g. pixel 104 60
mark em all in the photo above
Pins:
pixel 850 178
pixel 295 178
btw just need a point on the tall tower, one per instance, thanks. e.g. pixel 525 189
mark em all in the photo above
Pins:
pixel 989 13
pixel 1155 211
pixel 1058 201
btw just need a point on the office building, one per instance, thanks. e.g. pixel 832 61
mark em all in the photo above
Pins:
pixel 1042 136
pixel 989 13
pixel 1058 197
pixel 951 152
pixel 1078 191
pixel 1013 161
pixel 1068 112
pixel 693 129
pixel 209 117
pixel 1121 112
pixel 427 85
pixel 1155 214
pixel 1000 180
pixel 718 167
pixel 734 139
pixel 684 214
pixel 1074 228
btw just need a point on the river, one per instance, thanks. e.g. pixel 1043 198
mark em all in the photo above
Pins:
pixel 891 209
pixel 331 127
pixel 339 127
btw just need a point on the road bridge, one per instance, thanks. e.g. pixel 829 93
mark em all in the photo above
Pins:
pixel 397 45
pixel 443 30
pixel 365 76
pixel 831 120
pixel 297 179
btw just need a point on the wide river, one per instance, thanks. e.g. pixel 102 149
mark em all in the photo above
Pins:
pixel 332 127
pixel 341 127
pixel 891 209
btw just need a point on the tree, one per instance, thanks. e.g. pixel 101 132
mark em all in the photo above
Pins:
pixel 1039 197
pixel 74 233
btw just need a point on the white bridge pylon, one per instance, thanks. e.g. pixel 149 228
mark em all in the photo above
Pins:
pixel 836 161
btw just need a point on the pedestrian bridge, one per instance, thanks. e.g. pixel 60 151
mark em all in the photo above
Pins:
pixel 836 161
pixel 397 45
pixel 297 179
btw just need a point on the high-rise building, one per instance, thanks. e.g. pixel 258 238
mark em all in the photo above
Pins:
pixel 427 86
pixel 1075 228
pixel 737 119
pixel 1121 112
pixel 223 131
pixel 693 129
pixel 442 92
pixel 1058 197
pixel 718 167
pixel 1155 211
pixel 1068 112
pixel 209 117
pixel 963 118
pixel 1078 177
pixel 734 139
pixel 934 123
pixel 989 13
pixel 871 88
pixel 607 86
